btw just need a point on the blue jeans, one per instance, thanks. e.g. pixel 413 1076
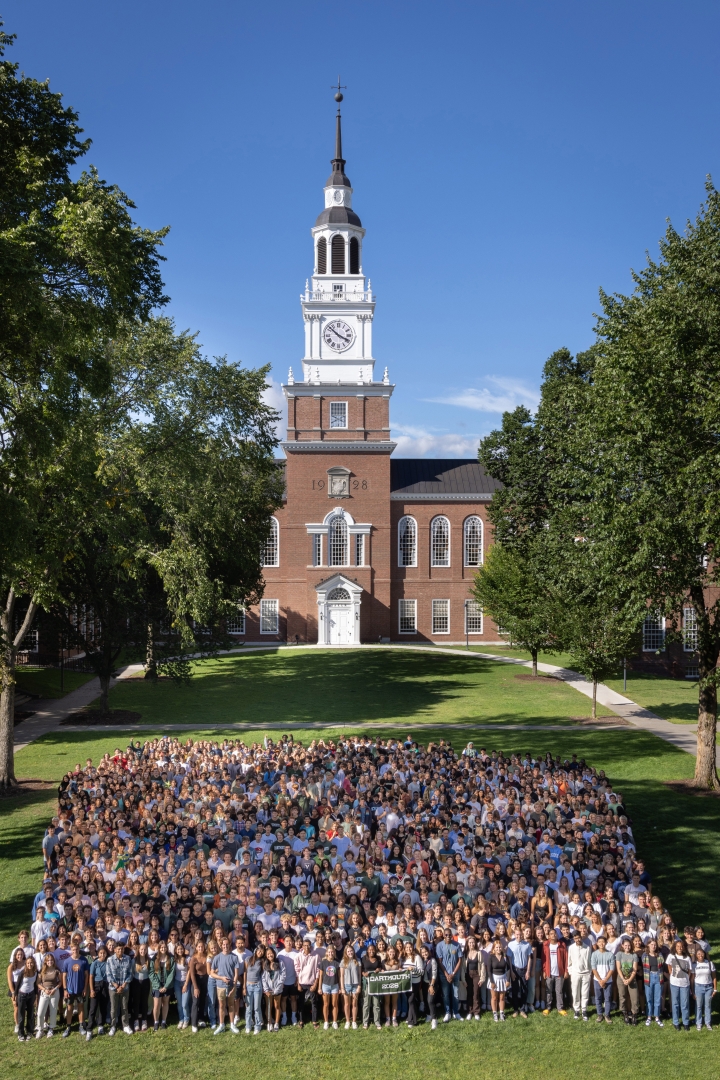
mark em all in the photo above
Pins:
pixel 653 995
pixel 183 1000
pixel 450 994
pixel 680 998
pixel 212 1002
pixel 603 996
pixel 703 1000
pixel 253 1002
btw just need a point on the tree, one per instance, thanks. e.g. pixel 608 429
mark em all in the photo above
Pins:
pixel 510 588
pixel 178 488
pixel 72 267
pixel 651 445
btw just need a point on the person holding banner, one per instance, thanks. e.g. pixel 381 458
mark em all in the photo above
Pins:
pixel 392 964
pixel 371 963
pixel 430 983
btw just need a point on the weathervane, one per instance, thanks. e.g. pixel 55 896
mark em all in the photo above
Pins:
pixel 338 89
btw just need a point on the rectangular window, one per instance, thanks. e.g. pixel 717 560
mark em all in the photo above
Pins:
pixel 653 633
pixel 692 671
pixel 473 618
pixel 269 616
pixel 235 624
pixel 408 616
pixel 690 629
pixel 359 550
pixel 441 616
pixel 317 549
pixel 338 292
pixel 338 414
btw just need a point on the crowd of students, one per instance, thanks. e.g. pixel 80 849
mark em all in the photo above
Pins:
pixel 266 886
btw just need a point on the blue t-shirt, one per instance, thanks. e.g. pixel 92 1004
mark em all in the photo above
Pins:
pixel 225 966
pixel 98 970
pixel 520 953
pixel 448 954
pixel 75 971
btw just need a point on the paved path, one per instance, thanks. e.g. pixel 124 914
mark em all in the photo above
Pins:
pixel 49 714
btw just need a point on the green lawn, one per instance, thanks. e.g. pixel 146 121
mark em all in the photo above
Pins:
pixel 678 834
pixel 673 699
pixel 45 682
pixel 353 686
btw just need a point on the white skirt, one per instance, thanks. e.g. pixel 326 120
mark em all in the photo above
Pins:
pixel 500 983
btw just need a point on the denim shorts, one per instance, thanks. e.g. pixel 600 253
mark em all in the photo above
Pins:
pixel 330 989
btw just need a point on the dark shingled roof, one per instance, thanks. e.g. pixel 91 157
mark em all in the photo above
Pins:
pixel 338 215
pixel 444 476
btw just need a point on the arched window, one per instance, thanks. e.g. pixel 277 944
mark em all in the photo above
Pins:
pixel 440 542
pixel 338 542
pixel 473 541
pixel 354 255
pixel 322 256
pixel 337 250
pixel 339 594
pixel 271 547
pixel 407 542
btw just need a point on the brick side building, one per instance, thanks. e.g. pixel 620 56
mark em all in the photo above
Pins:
pixel 365 547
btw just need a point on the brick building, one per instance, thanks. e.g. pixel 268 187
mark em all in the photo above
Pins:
pixel 365 547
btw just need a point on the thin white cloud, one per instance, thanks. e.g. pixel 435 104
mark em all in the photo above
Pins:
pixel 512 393
pixel 273 396
pixel 417 442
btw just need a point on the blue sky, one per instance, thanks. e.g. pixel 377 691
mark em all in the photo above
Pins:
pixel 508 157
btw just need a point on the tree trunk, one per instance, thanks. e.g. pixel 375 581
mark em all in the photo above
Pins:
pixel 7 677
pixel 705 768
pixel 151 671
pixel 594 705
pixel 533 653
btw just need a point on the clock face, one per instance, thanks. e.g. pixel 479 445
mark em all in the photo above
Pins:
pixel 337 196
pixel 338 335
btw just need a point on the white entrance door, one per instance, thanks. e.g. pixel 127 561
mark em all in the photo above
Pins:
pixel 340 619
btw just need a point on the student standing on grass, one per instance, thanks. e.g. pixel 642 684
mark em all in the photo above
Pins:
pixel 704 980
pixel 580 970
pixel 328 984
pixel 273 982
pixel 49 990
pixel 197 977
pixel 119 975
pixel 26 994
pixel 76 979
pixel 554 972
pixel 351 979
pixel 162 979
pixel 252 990
pixel 15 974
pixel 626 967
pixel 653 978
pixel 99 997
pixel 679 966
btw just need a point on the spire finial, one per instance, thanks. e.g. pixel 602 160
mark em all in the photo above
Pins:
pixel 338 132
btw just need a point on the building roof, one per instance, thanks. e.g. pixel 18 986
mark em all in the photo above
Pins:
pixel 338 215
pixel 439 476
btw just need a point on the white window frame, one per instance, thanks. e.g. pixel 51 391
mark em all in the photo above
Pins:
pixel 692 671
pixel 405 607
pixel 435 524
pixel 438 616
pixel 343 405
pixel 653 637
pixel 690 630
pixel 273 539
pixel 476 614
pixel 334 523
pixel 359 549
pixel 317 549
pixel 466 524
pixel 239 618
pixel 403 520
pixel 269 610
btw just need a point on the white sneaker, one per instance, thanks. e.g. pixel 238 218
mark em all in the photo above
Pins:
pixel 326 1025
pixel 354 1025
pixel 335 1024
pixel 112 1030
pixel 433 1025
pixel 347 1025
pixel 194 1031
pixel 128 1030
pixel 88 1036
pixel 234 1028
pixel 257 1031
pixel 275 1027
pixel 219 1029
pixel 447 1018
pixel 457 1016
pixel 101 1030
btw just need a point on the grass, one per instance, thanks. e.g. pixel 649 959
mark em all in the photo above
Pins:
pixel 678 834
pixel 673 699
pixel 351 687
pixel 45 682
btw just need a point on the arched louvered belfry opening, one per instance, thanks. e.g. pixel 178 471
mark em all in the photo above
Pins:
pixel 354 255
pixel 337 251
pixel 322 256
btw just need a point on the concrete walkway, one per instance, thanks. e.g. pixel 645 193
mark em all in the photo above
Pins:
pixel 49 714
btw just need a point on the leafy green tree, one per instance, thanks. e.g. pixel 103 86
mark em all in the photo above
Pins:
pixel 179 485
pixel 72 266
pixel 652 445
pixel 511 590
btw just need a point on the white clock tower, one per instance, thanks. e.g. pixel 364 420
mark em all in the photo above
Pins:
pixel 338 305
